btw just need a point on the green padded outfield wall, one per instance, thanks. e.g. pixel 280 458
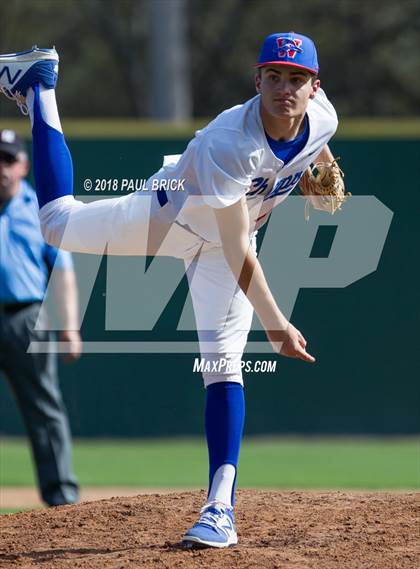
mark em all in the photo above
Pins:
pixel 365 336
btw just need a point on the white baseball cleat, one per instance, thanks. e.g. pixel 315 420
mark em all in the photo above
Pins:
pixel 19 71
pixel 215 528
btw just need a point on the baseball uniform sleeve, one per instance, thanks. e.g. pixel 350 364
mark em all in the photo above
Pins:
pixel 224 165
pixel 325 112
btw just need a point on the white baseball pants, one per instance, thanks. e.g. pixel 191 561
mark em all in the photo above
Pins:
pixel 126 226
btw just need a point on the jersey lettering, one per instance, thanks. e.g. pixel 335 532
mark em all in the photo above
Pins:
pixel 285 185
pixel 258 185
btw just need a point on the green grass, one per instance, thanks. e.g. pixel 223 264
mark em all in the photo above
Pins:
pixel 265 463
pixel 11 510
pixel 115 128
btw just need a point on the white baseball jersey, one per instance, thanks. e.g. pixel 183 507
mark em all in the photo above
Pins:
pixel 226 160
pixel 230 158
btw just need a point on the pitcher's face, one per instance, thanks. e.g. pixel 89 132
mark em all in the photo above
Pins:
pixel 285 90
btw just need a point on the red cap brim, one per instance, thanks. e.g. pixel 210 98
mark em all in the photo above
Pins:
pixel 314 71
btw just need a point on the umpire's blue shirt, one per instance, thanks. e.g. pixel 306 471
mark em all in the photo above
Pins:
pixel 25 258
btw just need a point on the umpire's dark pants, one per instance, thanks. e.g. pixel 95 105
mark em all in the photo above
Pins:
pixel 34 382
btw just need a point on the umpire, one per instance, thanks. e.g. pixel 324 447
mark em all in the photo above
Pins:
pixel 25 265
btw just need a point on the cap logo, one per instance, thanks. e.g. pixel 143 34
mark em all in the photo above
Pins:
pixel 8 136
pixel 288 47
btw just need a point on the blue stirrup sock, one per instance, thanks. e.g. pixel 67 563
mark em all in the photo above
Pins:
pixel 52 163
pixel 224 422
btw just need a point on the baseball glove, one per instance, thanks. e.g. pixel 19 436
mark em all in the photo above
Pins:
pixel 322 185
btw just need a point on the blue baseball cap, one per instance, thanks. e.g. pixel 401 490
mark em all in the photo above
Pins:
pixel 289 49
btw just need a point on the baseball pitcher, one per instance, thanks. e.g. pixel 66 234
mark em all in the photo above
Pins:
pixel 234 171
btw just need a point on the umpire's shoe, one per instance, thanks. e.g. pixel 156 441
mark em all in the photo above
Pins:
pixel 19 71
pixel 215 528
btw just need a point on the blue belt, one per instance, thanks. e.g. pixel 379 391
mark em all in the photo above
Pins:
pixel 162 197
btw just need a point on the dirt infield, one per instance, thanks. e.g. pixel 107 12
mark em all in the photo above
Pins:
pixel 276 530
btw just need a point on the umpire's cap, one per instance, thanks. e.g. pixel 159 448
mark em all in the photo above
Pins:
pixel 11 143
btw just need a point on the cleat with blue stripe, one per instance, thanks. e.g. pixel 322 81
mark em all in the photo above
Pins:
pixel 215 528
pixel 19 71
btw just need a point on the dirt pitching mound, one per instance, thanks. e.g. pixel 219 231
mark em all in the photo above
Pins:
pixel 276 530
